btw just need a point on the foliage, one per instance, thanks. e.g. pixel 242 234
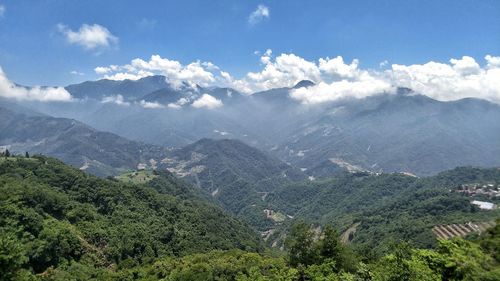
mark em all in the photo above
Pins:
pixel 54 216
pixel 385 208
pixel 57 223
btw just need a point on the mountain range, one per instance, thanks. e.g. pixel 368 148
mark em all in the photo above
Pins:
pixel 401 131
pixel 371 167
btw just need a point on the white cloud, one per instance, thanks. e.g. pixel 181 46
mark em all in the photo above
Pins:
pixel 461 78
pixel 174 106
pixel 492 61
pixel 102 70
pixel 201 73
pixel 285 71
pixel 179 103
pixel 383 64
pixel 335 78
pixel 466 65
pixel 90 37
pixel 116 99
pixel 207 101
pixel 150 105
pixel 2 10
pixel 259 14
pixel 36 93
pixel 336 68
pixel 325 92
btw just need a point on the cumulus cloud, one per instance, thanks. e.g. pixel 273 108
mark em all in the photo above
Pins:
pixel 258 15
pixel 2 10
pixel 461 78
pixel 325 92
pixel 336 68
pixel 492 61
pixel 116 99
pixel 194 73
pixel 150 105
pixel 36 93
pixel 90 37
pixel 284 71
pixel 335 78
pixel 179 103
pixel 207 101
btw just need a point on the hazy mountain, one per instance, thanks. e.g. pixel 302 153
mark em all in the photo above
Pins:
pixel 185 95
pixel 129 89
pixel 100 153
pixel 402 132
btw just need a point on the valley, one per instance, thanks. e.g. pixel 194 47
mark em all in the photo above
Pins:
pixel 249 140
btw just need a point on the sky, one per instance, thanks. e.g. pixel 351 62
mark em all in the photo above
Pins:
pixel 253 45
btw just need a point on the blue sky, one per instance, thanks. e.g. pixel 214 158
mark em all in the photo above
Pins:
pixel 34 50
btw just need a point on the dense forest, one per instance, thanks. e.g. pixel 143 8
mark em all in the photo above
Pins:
pixel 58 223
pixel 384 208
pixel 51 213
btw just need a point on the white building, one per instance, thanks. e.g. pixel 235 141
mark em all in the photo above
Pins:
pixel 484 205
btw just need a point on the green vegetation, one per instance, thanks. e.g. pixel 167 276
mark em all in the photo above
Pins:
pixel 58 223
pixel 386 208
pixel 236 174
pixel 137 177
pixel 54 217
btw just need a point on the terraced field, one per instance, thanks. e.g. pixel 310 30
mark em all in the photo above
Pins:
pixel 461 230
pixel 137 177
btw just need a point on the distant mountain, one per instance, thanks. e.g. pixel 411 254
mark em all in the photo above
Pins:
pixel 399 132
pixel 129 89
pixel 100 153
pixel 237 175
pixel 304 83
pixel 185 95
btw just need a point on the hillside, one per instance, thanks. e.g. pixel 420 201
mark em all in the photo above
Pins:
pixel 75 143
pixel 386 207
pixel 403 132
pixel 56 215
pixel 235 174
pixel 61 224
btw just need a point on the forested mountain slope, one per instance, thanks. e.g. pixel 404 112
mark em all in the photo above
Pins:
pixel 75 143
pixel 234 173
pixel 387 207
pixel 52 215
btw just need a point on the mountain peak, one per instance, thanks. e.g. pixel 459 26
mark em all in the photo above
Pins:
pixel 304 83
pixel 404 91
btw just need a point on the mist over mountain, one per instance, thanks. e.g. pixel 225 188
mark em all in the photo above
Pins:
pixel 249 141
pixel 75 143
pixel 127 88
pixel 393 131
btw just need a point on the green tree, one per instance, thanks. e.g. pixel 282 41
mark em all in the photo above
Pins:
pixel 300 245
pixel 12 255
pixel 330 247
